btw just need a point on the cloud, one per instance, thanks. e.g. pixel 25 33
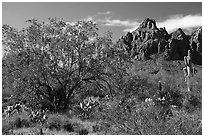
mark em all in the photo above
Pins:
pixel 104 13
pixel 128 25
pixel 131 29
pixel 172 23
pixel 119 23
pixel 187 22
pixel 96 16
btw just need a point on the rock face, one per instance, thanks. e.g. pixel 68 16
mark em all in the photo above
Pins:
pixel 196 46
pixel 147 40
pixel 178 45
pixel 196 40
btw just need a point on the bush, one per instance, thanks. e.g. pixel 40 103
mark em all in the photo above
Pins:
pixel 68 126
pixel 192 104
pixel 18 123
pixel 184 123
pixel 54 125
pixel 96 128
pixel 55 121
pixel 83 132
pixel 14 122
pixel 6 128
pixel 148 119
pixel 59 121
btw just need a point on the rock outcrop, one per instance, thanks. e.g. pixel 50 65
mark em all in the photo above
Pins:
pixel 148 39
pixel 178 45
pixel 196 46
pixel 196 40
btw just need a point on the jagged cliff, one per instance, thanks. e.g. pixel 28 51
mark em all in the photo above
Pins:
pixel 148 39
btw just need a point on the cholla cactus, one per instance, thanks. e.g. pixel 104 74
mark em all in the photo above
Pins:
pixel 188 70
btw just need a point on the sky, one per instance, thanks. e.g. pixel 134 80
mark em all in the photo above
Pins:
pixel 117 17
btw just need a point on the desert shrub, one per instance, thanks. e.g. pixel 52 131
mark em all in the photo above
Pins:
pixel 15 121
pixel 54 125
pixel 8 123
pixel 144 118
pixel 61 121
pixel 83 132
pixel 56 117
pixel 68 126
pixel 18 123
pixel 134 116
pixel 192 103
pixel 137 86
pixel 96 128
pixel 6 127
pixel 141 120
pixel 55 121
pixel 147 118
pixel 12 123
pixel 171 96
pixel 105 126
pixel 184 123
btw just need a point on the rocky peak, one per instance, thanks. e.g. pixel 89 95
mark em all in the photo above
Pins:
pixel 178 34
pixel 196 45
pixel 148 30
pixel 147 24
pixel 145 39
pixel 197 35
pixel 148 40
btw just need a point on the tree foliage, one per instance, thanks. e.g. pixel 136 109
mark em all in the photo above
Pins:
pixel 47 64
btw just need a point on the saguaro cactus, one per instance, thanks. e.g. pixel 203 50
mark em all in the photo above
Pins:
pixel 189 71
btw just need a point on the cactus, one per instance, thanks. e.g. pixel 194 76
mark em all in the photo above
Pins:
pixel 160 86
pixel 188 63
pixel 159 47
pixel 41 131
pixel 189 71
pixel 143 56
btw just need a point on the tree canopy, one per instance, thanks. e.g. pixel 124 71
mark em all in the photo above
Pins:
pixel 47 64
